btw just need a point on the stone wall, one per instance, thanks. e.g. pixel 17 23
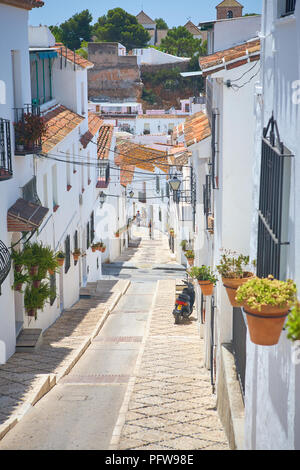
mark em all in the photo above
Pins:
pixel 113 77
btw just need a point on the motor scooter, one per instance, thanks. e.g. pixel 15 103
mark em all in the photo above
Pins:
pixel 184 303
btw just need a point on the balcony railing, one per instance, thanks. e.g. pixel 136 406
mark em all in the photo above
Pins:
pixel 28 134
pixel 290 6
pixel 103 174
pixel 5 263
pixel 5 150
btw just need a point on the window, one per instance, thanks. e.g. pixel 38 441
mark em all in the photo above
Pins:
pixel 68 254
pixel 52 288
pixel 273 214
pixel 92 224
pixel 230 14
pixel 68 170
pixel 146 128
pixel 54 187
pixel 45 188
pixel 290 6
pixel 215 149
pixel 157 184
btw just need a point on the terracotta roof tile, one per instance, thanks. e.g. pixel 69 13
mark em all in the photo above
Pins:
pixel 25 216
pixel 94 125
pixel 25 4
pixel 104 141
pixel 196 128
pixel 72 57
pixel 131 156
pixel 56 131
pixel 248 51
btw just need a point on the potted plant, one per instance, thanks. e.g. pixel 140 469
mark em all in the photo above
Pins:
pixel 76 254
pixel 30 129
pixel 183 245
pixel 19 280
pixel 205 277
pixel 293 323
pixel 266 303
pixel 18 260
pixel 95 247
pixel 103 248
pixel 60 256
pixel 36 298
pixel 171 231
pixel 117 234
pixel 190 256
pixel 234 269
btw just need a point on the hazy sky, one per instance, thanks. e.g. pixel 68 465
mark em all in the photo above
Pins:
pixel 174 12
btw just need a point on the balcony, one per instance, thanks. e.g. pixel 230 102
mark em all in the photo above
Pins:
pixel 5 151
pixel 29 130
pixel 103 174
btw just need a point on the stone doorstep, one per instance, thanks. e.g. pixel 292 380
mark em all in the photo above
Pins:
pixel 29 340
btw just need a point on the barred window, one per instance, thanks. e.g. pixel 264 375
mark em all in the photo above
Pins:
pixel 68 254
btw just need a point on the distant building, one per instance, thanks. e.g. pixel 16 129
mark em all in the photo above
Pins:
pixel 149 25
pixel 229 9
pixel 195 31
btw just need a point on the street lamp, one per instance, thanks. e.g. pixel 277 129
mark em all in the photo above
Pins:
pixel 131 194
pixel 175 183
pixel 102 198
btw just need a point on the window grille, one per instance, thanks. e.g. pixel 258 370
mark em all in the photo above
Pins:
pixel 273 203
pixel 5 150
pixel 68 254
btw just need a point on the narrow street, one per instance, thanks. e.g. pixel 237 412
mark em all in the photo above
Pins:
pixel 141 383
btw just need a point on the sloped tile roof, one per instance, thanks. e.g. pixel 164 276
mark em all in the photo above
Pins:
pixel 104 141
pixel 196 128
pixel 229 3
pixel 94 125
pixel 229 58
pixel 131 156
pixel 60 122
pixel 25 4
pixel 25 216
pixel 144 19
pixel 72 57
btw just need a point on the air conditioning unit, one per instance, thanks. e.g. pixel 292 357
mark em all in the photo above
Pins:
pixel 80 199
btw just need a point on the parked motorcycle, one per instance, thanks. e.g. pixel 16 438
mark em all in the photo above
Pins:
pixel 184 303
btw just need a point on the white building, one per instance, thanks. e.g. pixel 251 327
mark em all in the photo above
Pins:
pixel 52 196
pixel 272 373
pixel 150 56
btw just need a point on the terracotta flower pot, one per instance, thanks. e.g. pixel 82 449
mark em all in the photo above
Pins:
pixel 60 261
pixel 231 285
pixel 207 287
pixel 76 257
pixel 103 249
pixel 191 261
pixel 18 287
pixel 31 312
pixel 18 268
pixel 51 272
pixel 34 270
pixel 266 326
pixel 94 249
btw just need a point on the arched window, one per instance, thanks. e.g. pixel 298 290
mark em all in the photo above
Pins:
pixel 230 14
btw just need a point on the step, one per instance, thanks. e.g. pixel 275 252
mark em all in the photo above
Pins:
pixel 29 340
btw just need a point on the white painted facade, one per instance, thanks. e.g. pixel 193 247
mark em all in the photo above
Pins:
pixel 151 56
pixel 273 373
pixel 66 179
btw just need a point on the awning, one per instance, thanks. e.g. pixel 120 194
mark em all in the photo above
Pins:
pixel 25 216
pixel 43 55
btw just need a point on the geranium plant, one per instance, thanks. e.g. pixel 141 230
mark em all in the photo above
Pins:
pixel 257 293
pixel 234 265
pixel 30 129
pixel 190 254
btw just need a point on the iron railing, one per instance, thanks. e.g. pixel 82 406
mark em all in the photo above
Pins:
pixel 5 263
pixel 25 119
pixel 273 202
pixel 207 200
pixel 239 341
pixel 5 150
pixel 103 174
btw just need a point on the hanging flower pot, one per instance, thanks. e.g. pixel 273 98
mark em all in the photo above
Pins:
pixel 51 272
pixel 103 249
pixel 18 287
pixel 231 286
pixel 60 257
pixel 76 254
pixel 266 303
pixel 36 284
pixel 18 268
pixel 31 312
pixel 207 287
pixel 265 326
pixel 34 270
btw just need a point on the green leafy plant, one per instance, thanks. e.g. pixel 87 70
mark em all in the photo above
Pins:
pixel 293 323
pixel 36 298
pixel 18 258
pixel 183 244
pixel 233 265
pixel 257 293
pixel 190 254
pixel 203 273
pixel 19 280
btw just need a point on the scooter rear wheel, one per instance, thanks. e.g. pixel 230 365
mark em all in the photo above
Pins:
pixel 177 318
